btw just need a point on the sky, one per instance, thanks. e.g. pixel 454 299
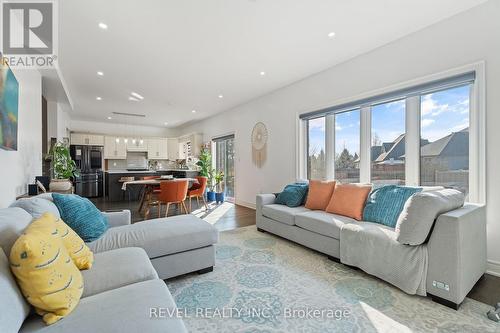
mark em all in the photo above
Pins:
pixel 441 113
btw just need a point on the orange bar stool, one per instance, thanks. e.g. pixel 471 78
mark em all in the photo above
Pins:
pixel 198 191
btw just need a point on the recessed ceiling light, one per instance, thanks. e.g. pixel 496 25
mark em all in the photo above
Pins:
pixel 262 73
pixel 109 118
pixel 136 95
pixel 103 26
pixel 98 98
pixel 221 96
pixel 100 73
pixel 165 123
pixel 130 98
pixel 331 34
pixel 193 111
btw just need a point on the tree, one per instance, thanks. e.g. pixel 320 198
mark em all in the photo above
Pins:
pixel 376 140
pixel 345 160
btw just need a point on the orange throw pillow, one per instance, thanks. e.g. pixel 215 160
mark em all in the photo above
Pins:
pixel 349 200
pixel 319 194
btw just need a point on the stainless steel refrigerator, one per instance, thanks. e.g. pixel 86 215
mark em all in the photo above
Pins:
pixel 89 160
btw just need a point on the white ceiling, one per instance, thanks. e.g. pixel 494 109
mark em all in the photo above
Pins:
pixel 180 55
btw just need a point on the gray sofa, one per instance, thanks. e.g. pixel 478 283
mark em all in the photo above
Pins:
pixel 455 253
pixel 176 246
pixel 125 282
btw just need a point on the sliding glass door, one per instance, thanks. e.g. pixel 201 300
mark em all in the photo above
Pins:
pixel 224 161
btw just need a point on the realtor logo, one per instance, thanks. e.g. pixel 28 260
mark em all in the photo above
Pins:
pixel 28 33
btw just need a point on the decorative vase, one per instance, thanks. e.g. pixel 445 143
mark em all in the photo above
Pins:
pixel 61 186
pixel 210 196
pixel 219 197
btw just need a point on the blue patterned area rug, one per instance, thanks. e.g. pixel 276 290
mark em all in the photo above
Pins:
pixel 262 283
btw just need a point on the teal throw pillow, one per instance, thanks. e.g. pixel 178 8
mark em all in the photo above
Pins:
pixel 293 195
pixel 81 215
pixel 384 204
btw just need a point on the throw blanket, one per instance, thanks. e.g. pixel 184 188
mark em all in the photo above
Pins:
pixel 373 248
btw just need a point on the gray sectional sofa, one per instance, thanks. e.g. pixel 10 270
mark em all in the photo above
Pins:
pixel 126 280
pixel 452 259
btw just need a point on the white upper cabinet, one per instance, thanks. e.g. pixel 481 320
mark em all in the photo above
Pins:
pixel 115 148
pixel 173 149
pixel 87 139
pixel 190 146
pixel 157 148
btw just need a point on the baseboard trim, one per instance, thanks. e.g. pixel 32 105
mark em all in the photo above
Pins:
pixel 493 268
pixel 250 205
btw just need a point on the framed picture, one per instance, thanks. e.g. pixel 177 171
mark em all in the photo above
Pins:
pixel 9 104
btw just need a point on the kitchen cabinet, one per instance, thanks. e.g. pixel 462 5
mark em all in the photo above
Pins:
pixel 115 148
pixel 173 149
pixel 157 148
pixel 190 146
pixel 87 139
pixel 137 145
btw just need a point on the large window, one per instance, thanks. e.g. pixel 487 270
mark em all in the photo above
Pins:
pixel 444 128
pixel 316 158
pixel 387 152
pixel 415 136
pixel 347 146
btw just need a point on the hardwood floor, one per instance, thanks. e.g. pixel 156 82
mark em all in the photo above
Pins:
pixel 229 216
pixel 226 216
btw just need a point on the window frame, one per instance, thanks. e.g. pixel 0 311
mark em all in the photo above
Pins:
pixel 477 131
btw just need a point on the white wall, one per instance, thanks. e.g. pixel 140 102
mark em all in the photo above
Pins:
pixel 464 39
pixel 120 129
pixel 18 168
pixel 63 123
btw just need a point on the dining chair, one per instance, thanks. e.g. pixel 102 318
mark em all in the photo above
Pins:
pixel 173 192
pixel 148 192
pixel 198 191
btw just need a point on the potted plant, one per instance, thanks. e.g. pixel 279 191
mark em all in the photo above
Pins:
pixel 205 165
pixel 211 185
pixel 63 169
pixel 219 185
pixel 204 162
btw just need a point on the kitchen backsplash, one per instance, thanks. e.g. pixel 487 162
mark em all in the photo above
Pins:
pixel 138 161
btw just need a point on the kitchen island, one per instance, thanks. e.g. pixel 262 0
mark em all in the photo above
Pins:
pixel 113 183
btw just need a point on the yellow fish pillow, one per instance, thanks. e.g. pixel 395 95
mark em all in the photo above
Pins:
pixel 48 278
pixel 78 251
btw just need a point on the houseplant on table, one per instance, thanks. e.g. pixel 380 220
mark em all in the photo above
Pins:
pixel 63 169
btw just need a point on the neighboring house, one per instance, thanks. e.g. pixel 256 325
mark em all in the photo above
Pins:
pixel 446 161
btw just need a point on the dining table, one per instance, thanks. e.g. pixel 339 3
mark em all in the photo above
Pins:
pixel 149 186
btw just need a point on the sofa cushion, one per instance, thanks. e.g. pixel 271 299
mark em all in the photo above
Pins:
pixel 349 200
pixel 420 211
pixel 46 275
pixel 160 237
pixel 126 309
pixel 117 268
pixel 81 215
pixel 319 194
pixel 37 206
pixel 13 307
pixel 13 221
pixel 322 223
pixel 385 203
pixel 293 195
pixel 282 213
